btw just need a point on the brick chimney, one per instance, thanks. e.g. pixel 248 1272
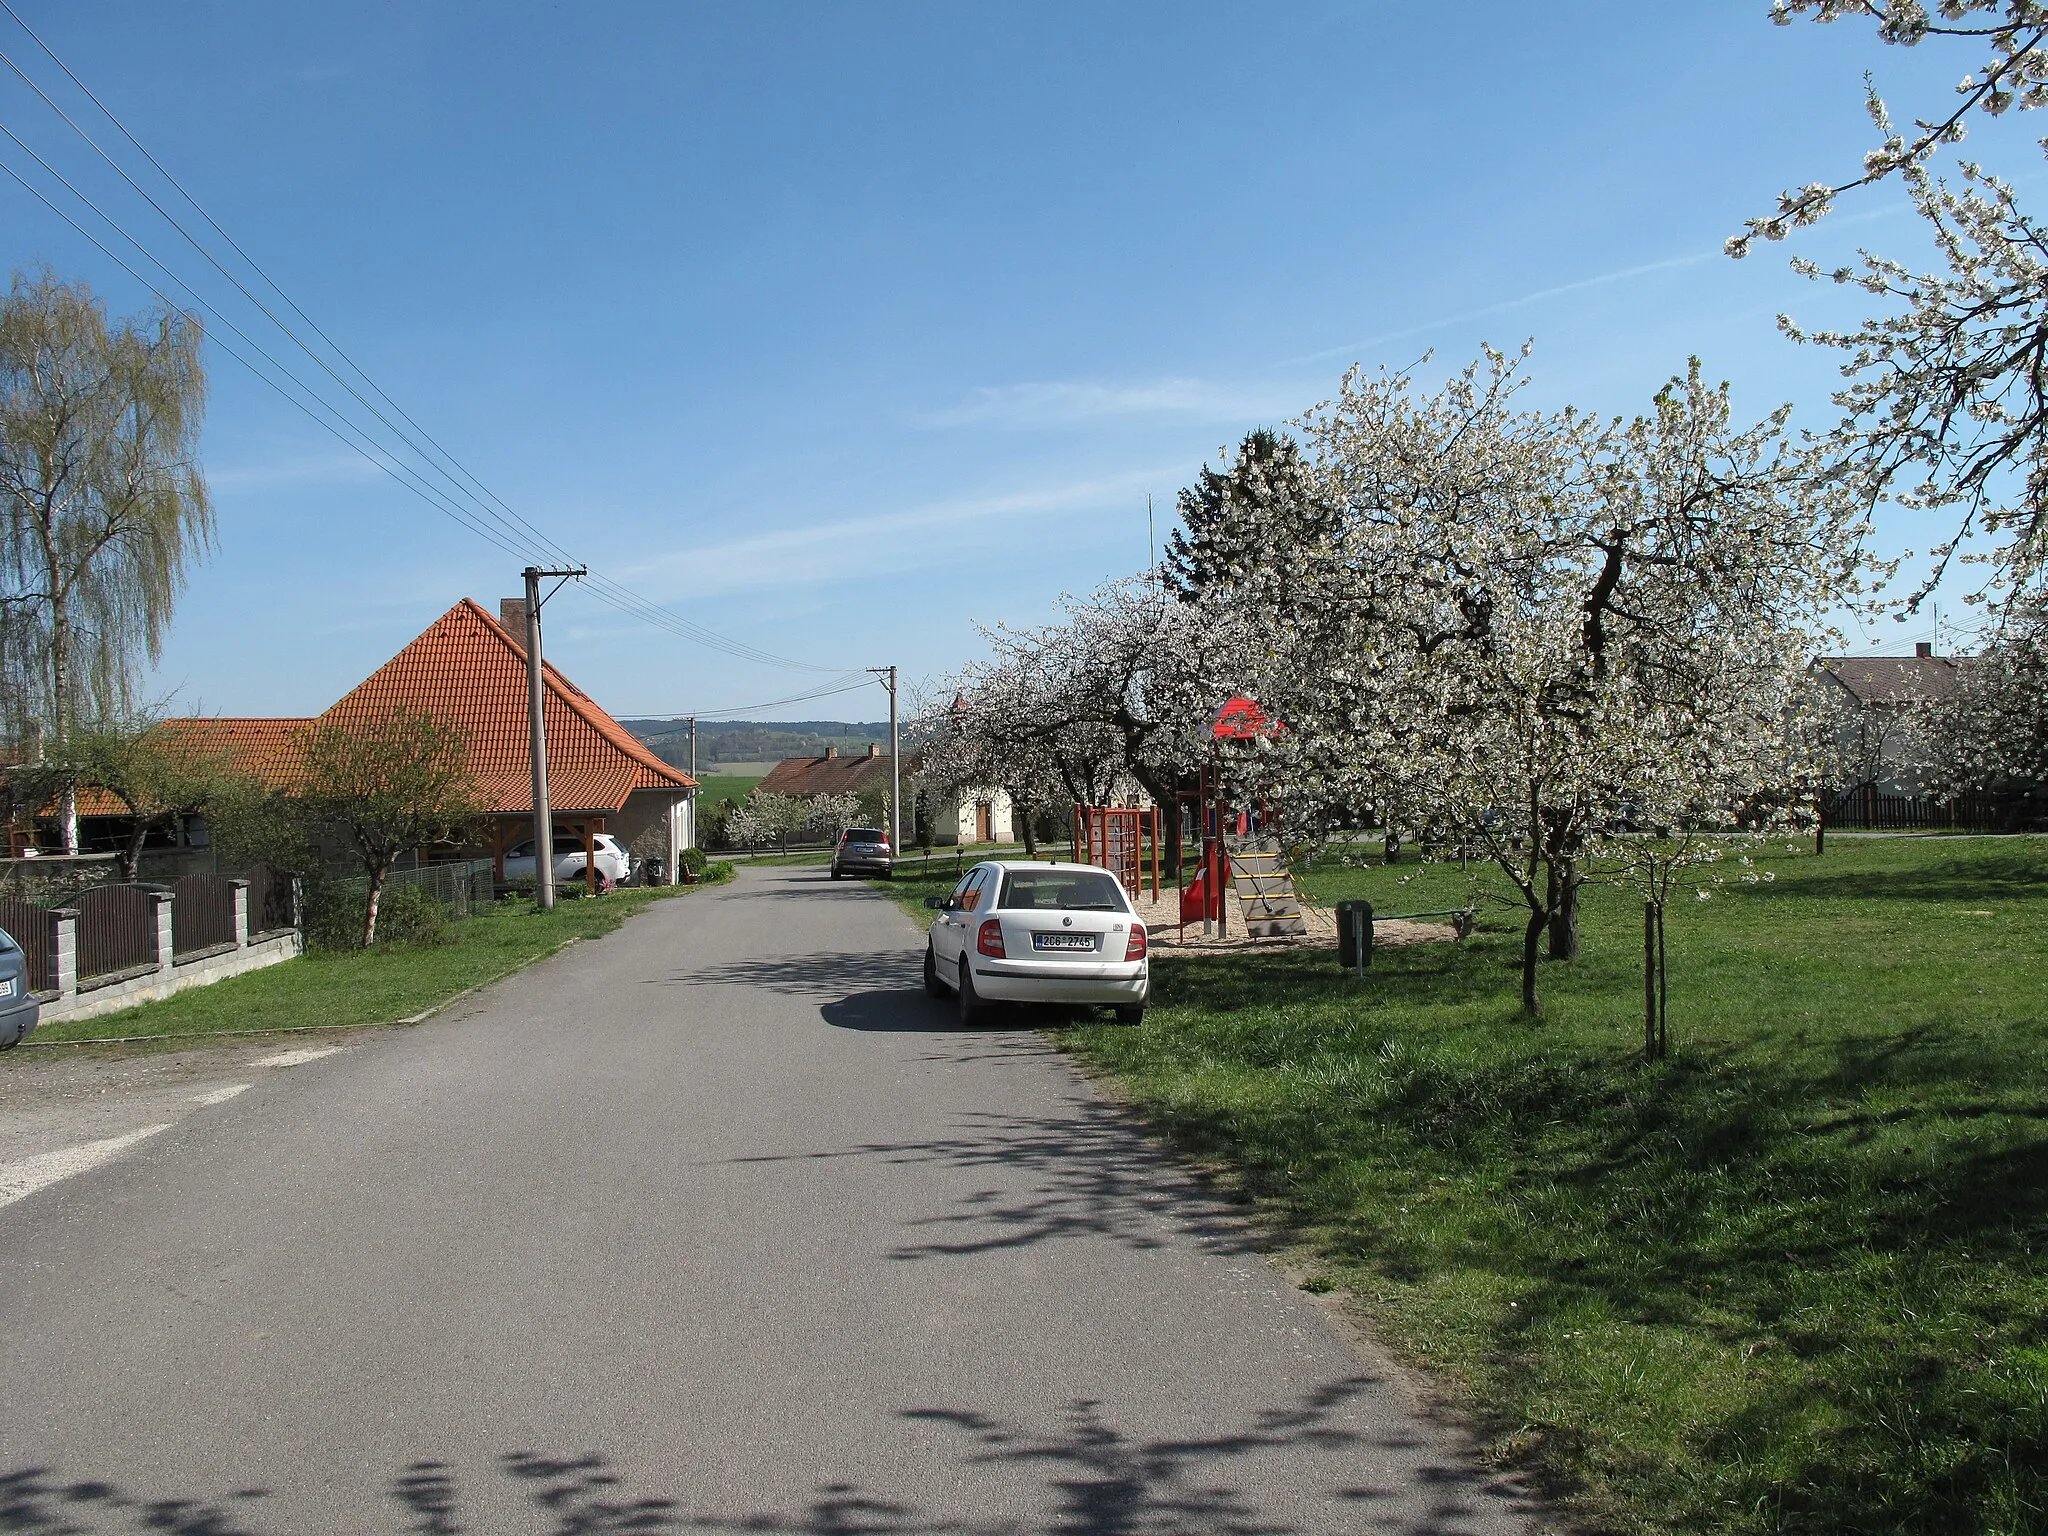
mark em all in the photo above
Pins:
pixel 874 749
pixel 831 752
pixel 512 617
pixel 1924 648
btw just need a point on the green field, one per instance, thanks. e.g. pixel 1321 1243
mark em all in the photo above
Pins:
pixel 1792 1278
pixel 714 787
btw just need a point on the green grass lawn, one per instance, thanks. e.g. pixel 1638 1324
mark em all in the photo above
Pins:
pixel 714 787
pixel 1792 1278
pixel 342 987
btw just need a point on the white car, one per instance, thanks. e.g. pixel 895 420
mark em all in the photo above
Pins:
pixel 1038 933
pixel 614 864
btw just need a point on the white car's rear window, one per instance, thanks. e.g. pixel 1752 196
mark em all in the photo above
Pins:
pixel 1061 890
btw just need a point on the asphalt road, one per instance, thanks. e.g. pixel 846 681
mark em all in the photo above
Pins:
pixel 714 1224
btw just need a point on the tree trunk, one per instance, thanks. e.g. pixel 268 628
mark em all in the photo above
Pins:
pixel 1165 794
pixel 1390 845
pixel 60 711
pixel 131 851
pixel 1564 905
pixel 1532 943
pixel 377 876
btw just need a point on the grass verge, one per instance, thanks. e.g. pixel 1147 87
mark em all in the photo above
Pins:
pixel 1794 1277
pixel 336 988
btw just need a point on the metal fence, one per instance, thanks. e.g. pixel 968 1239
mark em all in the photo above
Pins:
pixel 464 887
pixel 116 930
pixel 202 914
pixel 28 924
pixel 272 900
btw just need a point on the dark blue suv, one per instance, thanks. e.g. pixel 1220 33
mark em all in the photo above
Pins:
pixel 18 1007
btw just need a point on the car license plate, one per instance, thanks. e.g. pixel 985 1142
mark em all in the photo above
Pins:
pixel 6 986
pixel 1063 941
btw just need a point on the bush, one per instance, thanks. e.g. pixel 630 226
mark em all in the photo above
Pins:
pixel 717 872
pixel 335 911
pixel 693 860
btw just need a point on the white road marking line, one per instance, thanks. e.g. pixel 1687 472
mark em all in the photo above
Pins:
pixel 34 1173
pixel 221 1095
pixel 296 1058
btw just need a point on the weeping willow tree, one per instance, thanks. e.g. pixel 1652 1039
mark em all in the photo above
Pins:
pixel 101 502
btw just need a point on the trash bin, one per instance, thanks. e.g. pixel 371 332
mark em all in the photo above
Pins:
pixel 1354 934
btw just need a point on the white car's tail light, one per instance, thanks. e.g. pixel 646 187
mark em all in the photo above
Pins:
pixel 989 941
pixel 1134 947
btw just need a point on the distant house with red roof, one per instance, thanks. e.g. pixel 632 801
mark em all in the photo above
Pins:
pixel 468 669
pixel 1878 704
pixel 966 815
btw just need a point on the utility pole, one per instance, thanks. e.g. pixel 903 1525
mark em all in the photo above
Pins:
pixel 537 739
pixel 693 746
pixel 895 764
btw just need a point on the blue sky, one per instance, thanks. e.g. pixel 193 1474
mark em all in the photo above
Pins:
pixel 843 329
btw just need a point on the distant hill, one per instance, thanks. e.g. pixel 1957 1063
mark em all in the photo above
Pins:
pixel 755 741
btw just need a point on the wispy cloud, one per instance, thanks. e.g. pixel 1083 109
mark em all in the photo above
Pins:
pixel 886 542
pixel 1050 404
pixel 1504 306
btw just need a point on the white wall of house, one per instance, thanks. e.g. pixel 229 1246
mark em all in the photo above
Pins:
pixel 673 812
pixel 958 820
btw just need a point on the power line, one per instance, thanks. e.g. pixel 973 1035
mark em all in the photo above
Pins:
pixel 747 709
pixel 510 528
pixel 215 263
pixel 396 471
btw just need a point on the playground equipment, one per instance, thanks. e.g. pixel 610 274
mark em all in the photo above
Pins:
pixel 1115 837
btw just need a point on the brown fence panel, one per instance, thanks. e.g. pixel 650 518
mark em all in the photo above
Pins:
pixel 270 900
pixel 116 930
pixel 202 913
pixel 29 926
pixel 1864 807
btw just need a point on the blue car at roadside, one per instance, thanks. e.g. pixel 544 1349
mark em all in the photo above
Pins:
pixel 18 1006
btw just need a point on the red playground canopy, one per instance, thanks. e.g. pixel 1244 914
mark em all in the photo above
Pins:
pixel 1242 720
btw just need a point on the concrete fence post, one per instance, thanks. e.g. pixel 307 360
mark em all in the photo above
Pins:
pixel 241 888
pixel 63 951
pixel 166 944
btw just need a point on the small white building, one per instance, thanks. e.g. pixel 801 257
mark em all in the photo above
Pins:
pixel 972 815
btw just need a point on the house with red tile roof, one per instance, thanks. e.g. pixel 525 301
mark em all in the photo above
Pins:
pixel 468 669
pixel 968 814
pixel 1877 713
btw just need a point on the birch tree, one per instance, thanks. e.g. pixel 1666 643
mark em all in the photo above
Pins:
pixel 102 502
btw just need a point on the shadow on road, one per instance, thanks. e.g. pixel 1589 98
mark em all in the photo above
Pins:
pixel 865 990
pixel 822 974
pixel 1092 1480
pixel 1085 1172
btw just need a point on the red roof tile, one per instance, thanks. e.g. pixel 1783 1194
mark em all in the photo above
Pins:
pixel 264 747
pixel 836 775
pixel 466 670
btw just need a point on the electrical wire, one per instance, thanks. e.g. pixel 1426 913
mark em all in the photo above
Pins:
pixel 484 506
pixel 747 709
pixel 397 471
